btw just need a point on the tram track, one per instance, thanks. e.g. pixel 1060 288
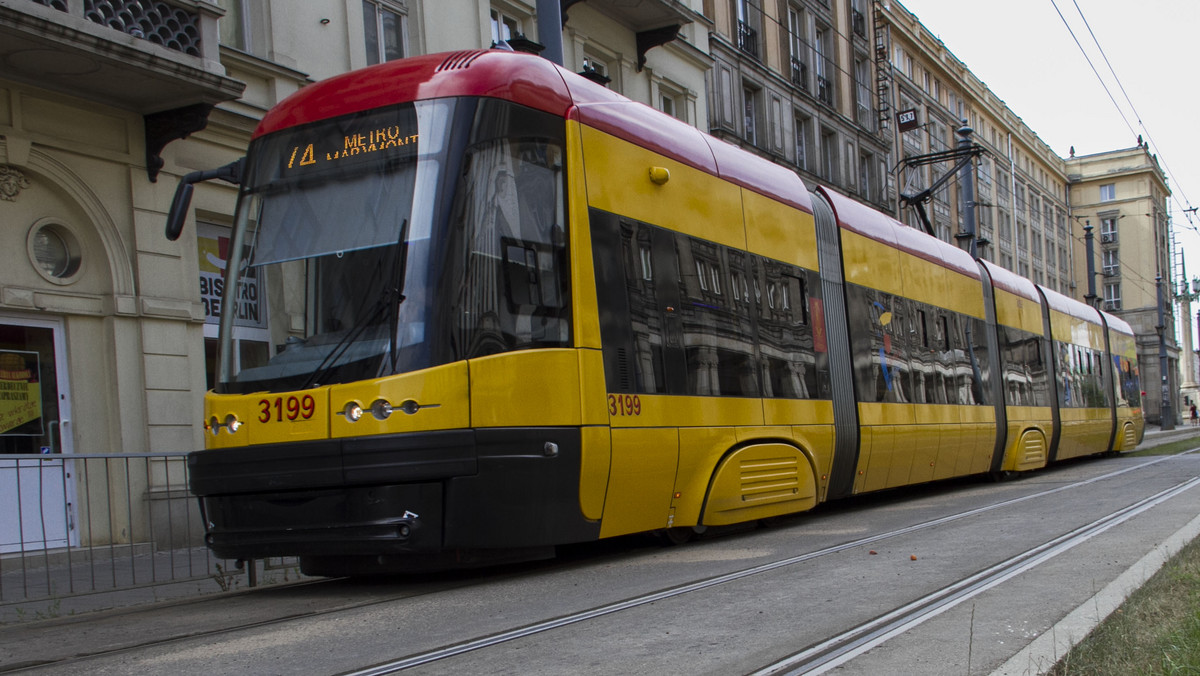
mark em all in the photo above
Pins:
pixel 834 648
pixel 867 635
pixel 842 648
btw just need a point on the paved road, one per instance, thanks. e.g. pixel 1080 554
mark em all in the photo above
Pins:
pixel 955 578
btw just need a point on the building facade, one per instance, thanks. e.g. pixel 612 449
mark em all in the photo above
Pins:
pixel 795 81
pixel 1021 201
pixel 1121 196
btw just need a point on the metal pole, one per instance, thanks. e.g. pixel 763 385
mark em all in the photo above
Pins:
pixel 549 21
pixel 1166 417
pixel 967 178
pixel 1089 247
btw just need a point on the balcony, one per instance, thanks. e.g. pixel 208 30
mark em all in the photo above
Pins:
pixel 800 74
pixel 859 22
pixel 655 22
pixel 825 90
pixel 747 39
pixel 142 55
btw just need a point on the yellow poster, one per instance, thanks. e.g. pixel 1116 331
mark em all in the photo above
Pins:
pixel 20 394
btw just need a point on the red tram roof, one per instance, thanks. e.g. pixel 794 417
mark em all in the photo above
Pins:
pixel 1072 307
pixel 866 221
pixel 1117 324
pixel 535 82
pixel 1003 278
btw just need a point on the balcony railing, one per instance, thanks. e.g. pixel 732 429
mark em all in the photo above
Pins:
pixel 824 90
pixel 800 74
pixel 747 39
pixel 174 27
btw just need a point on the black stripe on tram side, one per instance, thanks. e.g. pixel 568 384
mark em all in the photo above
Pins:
pixel 1052 366
pixel 837 341
pixel 1110 383
pixel 997 379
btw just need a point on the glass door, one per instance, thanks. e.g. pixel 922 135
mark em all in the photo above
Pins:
pixel 36 493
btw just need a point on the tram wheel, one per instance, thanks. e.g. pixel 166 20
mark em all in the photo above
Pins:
pixel 676 536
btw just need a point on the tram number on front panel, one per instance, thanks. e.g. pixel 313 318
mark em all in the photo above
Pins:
pixel 286 408
pixel 624 404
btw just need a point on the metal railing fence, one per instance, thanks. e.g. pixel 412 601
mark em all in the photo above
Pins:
pixel 84 524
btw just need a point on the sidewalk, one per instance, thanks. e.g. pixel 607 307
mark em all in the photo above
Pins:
pixel 1156 436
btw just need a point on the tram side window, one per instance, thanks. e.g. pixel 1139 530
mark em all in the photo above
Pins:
pixel 510 208
pixel 1129 385
pixel 1024 371
pixel 717 330
pixel 974 372
pixel 879 345
pixel 646 321
pixel 794 365
pixel 682 315
pixel 929 372
pixel 1082 383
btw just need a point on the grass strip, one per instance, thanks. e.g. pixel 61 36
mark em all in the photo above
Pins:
pixel 1157 629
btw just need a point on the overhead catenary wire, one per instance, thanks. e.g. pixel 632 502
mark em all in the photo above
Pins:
pixel 1177 193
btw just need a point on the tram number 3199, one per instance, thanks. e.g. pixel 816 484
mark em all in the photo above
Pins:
pixel 291 408
pixel 624 404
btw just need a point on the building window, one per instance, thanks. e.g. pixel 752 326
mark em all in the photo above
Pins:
pixel 672 101
pixel 1108 230
pixel 747 27
pixel 829 156
pixel 234 27
pixel 798 47
pixel 1112 296
pixel 1108 192
pixel 1111 263
pixel 866 182
pixel 803 140
pixel 504 27
pixel 750 106
pixel 862 92
pixel 383 25
pixel 824 65
pixel 858 18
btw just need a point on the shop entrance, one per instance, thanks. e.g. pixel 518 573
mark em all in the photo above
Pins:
pixel 37 495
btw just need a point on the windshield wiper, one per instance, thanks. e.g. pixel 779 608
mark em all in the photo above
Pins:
pixel 392 297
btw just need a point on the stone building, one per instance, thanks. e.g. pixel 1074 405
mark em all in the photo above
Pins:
pixel 1122 196
pixel 796 81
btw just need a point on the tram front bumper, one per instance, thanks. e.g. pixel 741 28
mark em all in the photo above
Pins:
pixel 403 494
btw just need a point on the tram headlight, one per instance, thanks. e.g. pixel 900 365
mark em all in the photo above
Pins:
pixel 214 425
pixel 353 411
pixel 232 423
pixel 381 409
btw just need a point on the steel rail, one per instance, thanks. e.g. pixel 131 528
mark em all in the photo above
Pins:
pixel 600 611
pixel 844 647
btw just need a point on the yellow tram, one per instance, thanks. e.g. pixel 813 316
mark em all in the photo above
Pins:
pixel 510 309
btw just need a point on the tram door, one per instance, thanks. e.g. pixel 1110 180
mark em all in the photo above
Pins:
pixel 37 491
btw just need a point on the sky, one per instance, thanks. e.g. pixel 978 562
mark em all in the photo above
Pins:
pixel 1023 51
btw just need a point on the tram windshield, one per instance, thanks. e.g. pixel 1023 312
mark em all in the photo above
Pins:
pixel 395 240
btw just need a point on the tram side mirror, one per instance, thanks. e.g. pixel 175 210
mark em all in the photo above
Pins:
pixel 179 208
pixel 231 173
